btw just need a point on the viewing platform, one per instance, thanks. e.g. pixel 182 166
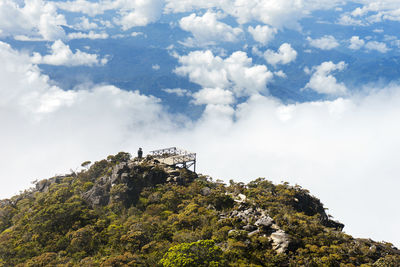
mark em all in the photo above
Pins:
pixel 175 157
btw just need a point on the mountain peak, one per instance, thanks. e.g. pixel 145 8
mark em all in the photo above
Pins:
pixel 124 211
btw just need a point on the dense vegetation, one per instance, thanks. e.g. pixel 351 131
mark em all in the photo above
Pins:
pixel 122 212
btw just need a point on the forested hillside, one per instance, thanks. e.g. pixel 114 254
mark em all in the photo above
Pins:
pixel 125 212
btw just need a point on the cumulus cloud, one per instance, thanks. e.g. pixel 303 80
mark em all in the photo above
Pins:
pixel 356 43
pixel 31 20
pixel 85 24
pixel 180 6
pixel 90 35
pixel 371 12
pixel 213 96
pixel 280 74
pixel 279 14
pixel 348 20
pixel 87 7
pixel 61 54
pixel 135 34
pixel 262 34
pixel 139 13
pixel 285 55
pixel 377 11
pixel 377 46
pixel 236 72
pixel 207 29
pixel 177 91
pixel 131 13
pixel 323 82
pixel 326 42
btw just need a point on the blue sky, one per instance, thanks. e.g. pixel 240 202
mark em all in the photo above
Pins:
pixel 303 91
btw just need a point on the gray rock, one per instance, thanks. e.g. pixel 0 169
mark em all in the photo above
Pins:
pixel 42 185
pixel 124 177
pixel 205 191
pixel 240 198
pixel 280 241
pixel 233 233
pixel 249 227
pixel 97 195
pixel 264 221
pixel 253 233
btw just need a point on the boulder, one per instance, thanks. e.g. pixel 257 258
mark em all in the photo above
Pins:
pixel 264 221
pixel 280 241
pixel 205 191
pixel 98 195
pixel 249 227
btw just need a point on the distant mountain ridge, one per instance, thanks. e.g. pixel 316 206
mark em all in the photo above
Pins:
pixel 131 212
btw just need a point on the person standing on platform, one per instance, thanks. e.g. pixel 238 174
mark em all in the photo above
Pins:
pixel 140 153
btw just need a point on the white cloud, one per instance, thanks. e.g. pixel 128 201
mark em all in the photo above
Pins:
pixel 177 91
pixel 61 54
pixel 131 13
pixel 285 55
pixel 85 24
pixel 396 43
pixel 326 42
pixel 213 96
pixel 87 7
pixel 280 74
pixel 208 30
pixel 322 81
pixel 347 20
pixel 377 46
pixel 90 35
pixel 235 73
pixel 276 13
pixel 139 13
pixel 135 34
pixel 372 11
pixel 155 67
pixel 262 34
pixel 356 43
pixel 178 6
pixel 31 20
pixel 376 11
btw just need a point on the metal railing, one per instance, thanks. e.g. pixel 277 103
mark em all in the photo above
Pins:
pixel 175 156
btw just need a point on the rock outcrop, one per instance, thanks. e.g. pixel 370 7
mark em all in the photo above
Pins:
pixel 256 221
pixel 126 180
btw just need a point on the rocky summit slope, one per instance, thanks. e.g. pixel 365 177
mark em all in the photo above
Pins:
pixel 130 212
